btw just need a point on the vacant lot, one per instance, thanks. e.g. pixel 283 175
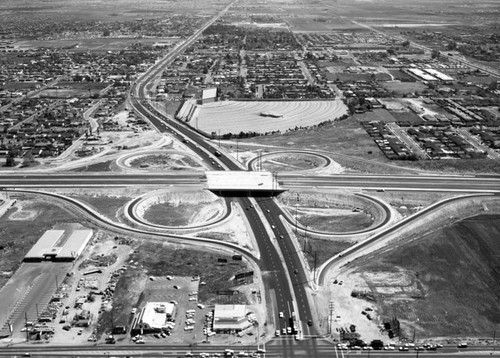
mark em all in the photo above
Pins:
pixel 181 208
pixel 345 137
pixel 165 161
pixel 105 205
pixel 401 88
pixel 73 89
pixel 319 250
pixel 462 166
pixel 379 115
pixel 446 283
pixel 291 162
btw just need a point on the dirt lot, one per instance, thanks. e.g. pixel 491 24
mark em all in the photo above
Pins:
pixel 167 161
pixel 181 208
pixel 444 284
pixel 337 212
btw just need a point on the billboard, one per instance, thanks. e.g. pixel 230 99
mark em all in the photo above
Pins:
pixel 209 93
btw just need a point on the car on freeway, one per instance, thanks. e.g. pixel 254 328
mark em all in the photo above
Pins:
pixel 282 237
pixel 282 315
pixel 309 323
pixel 404 349
pixel 283 330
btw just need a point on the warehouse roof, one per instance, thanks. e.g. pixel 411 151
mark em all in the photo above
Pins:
pixel 45 244
pixel 59 245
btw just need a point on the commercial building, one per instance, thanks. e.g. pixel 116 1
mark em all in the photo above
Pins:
pixel 59 245
pixel 230 318
pixel 153 317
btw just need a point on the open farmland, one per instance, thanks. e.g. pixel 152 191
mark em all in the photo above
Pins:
pixel 235 117
pixel 93 44
pixel 445 283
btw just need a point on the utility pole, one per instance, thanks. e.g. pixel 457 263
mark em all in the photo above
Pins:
pixel 237 151
pixel 296 230
pixel 26 326
pixel 494 336
pixel 315 258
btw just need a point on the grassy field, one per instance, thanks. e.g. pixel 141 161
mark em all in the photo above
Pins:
pixel 15 237
pixel 462 166
pixel 321 250
pixel 343 221
pixel 97 167
pixel 449 280
pixel 379 115
pixel 172 215
pixel 353 77
pixel 94 44
pixel 165 162
pixel 107 206
pixel 401 88
pixel 73 89
pixel 345 137
pixel 287 162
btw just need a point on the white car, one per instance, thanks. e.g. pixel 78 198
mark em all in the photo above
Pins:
pixel 282 315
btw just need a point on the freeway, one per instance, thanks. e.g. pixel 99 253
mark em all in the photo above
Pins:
pixel 278 348
pixel 394 182
pixel 274 275
pixel 287 180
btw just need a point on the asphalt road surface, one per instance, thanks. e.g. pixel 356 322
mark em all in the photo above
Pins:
pixel 279 348
pixel 370 182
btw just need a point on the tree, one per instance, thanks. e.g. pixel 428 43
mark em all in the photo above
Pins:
pixel 10 161
pixel 435 54
pixel 28 159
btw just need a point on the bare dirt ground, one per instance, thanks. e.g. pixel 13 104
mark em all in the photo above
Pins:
pixel 448 281
pixel 167 161
pixel 177 209
pixel 332 211
pixel 442 284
